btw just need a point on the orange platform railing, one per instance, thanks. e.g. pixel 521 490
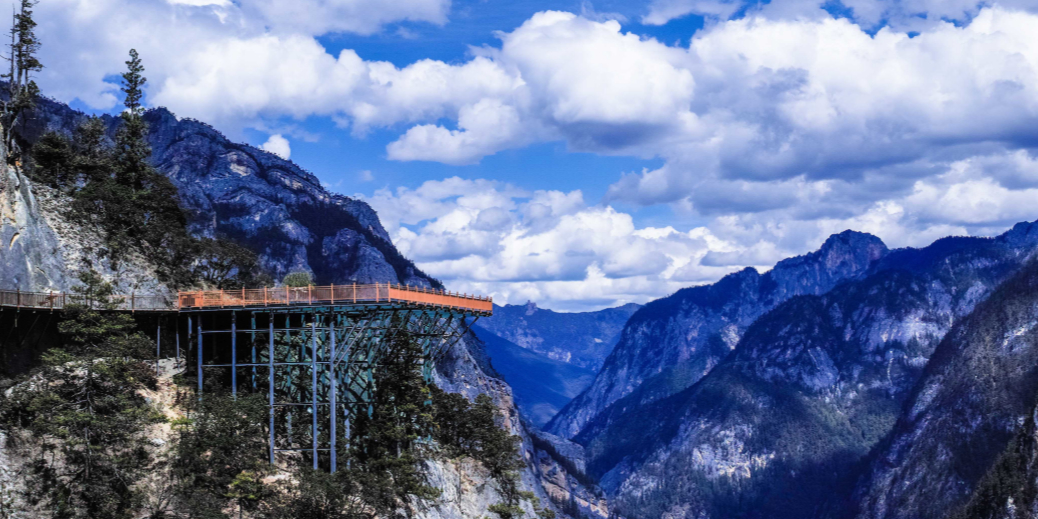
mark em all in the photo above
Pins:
pixel 279 296
pixel 335 294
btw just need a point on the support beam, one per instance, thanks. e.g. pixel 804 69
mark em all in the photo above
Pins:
pixel 158 346
pixel 333 382
pixel 200 358
pixel 270 389
pixel 234 355
pixel 313 373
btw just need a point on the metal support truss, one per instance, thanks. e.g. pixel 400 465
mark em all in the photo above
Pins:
pixel 316 364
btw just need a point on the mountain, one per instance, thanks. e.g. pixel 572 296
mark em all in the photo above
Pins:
pixel 977 391
pixel 783 425
pixel 282 213
pixel 259 200
pixel 671 343
pixel 583 339
pixel 541 385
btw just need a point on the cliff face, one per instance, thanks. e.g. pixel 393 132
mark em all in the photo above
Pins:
pixel 259 200
pixel 41 250
pixel 274 207
pixel 281 212
pixel 671 343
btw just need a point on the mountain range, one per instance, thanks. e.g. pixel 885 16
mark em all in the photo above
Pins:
pixel 855 381
pixel 852 381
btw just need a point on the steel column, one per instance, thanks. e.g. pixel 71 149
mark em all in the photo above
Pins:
pixel 234 355
pixel 333 382
pixel 270 389
pixel 200 358
pixel 313 373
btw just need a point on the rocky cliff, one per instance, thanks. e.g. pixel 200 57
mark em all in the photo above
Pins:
pixel 280 211
pixel 259 200
pixel 671 343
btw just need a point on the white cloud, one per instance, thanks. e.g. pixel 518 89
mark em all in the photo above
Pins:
pixel 771 131
pixel 278 145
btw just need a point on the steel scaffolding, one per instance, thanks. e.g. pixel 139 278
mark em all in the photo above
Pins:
pixel 315 363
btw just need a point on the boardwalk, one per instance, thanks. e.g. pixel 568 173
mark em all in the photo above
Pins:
pixel 378 293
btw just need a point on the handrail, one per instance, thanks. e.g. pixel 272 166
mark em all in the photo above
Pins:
pixel 59 300
pixel 281 296
pixel 310 295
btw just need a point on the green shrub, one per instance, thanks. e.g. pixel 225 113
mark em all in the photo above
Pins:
pixel 298 279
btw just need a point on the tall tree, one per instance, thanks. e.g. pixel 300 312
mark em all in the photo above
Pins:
pixel 22 90
pixel 131 140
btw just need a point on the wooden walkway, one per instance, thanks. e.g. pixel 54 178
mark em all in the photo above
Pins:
pixel 378 293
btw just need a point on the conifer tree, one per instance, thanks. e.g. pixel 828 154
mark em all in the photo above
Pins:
pixel 131 140
pixel 22 90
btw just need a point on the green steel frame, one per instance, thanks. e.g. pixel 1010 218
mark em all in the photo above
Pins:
pixel 313 362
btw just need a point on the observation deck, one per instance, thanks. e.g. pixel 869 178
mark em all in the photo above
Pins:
pixel 330 295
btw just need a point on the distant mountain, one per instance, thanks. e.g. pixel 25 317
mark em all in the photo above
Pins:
pixel 580 338
pixel 783 425
pixel 671 343
pixel 541 385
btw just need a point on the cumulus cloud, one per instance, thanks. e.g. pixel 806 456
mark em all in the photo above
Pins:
pixel 775 125
pixel 549 246
pixel 278 145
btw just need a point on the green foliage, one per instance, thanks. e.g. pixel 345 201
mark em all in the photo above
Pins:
pixel 298 279
pixel 135 205
pixel 319 495
pixel 218 453
pixel 225 265
pixel 83 417
pixel 53 158
pixel 385 446
pixel 22 90
pixel 474 430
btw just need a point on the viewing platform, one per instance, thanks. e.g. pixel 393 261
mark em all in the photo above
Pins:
pixel 354 294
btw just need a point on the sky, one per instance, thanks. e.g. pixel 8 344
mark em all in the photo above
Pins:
pixel 584 155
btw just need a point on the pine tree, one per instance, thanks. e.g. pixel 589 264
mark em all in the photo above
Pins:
pixel 131 141
pixel 22 90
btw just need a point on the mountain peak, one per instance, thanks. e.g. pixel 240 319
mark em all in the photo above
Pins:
pixel 1021 234
pixel 851 239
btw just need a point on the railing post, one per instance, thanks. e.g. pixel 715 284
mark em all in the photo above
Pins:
pixel 333 293
pixel 18 298
pixel 310 294
pixel 354 291
pixel 265 297
pixel 133 301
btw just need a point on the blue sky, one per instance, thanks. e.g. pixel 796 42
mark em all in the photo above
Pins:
pixel 584 155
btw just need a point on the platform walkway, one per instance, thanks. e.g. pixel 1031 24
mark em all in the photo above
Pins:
pixel 354 294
